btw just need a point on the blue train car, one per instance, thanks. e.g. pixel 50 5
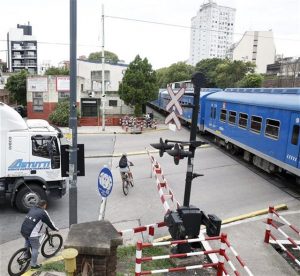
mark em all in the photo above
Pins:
pixel 264 123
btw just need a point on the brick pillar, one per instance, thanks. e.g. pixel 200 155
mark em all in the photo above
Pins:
pixel 97 243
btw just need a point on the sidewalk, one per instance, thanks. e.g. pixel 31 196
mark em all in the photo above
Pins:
pixel 246 237
pixel 111 129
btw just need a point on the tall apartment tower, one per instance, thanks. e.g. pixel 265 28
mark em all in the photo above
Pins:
pixel 211 32
pixel 22 49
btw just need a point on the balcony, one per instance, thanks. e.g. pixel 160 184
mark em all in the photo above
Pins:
pixel 30 64
pixel 17 48
pixel 32 47
pixel 17 57
pixel 24 65
pixel 29 56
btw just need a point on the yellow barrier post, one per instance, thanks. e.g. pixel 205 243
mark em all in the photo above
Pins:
pixel 69 256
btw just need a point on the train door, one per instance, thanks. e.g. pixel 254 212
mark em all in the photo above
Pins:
pixel 293 146
pixel 213 115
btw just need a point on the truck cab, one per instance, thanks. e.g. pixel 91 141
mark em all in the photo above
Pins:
pixel 30 167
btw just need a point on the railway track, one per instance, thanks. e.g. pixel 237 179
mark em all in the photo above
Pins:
pixel 286 183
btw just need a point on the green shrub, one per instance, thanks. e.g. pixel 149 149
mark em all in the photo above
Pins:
pixel 60 116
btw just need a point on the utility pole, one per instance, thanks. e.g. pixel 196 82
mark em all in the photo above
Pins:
pixel 103 80
pixel 73 116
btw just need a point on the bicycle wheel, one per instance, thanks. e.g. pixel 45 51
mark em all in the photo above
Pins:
pixel 19 262
pixel 51 245
pixel 125 187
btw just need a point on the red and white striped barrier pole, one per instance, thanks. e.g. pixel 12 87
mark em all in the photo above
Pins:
pixel 269 235
pixel 138 258
pixel 150 228
pixel 286 222
pixel 222 255
pixel 285 250
pixel 268 224
pixel 242 263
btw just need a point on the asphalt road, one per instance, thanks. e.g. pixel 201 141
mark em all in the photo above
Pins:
pixel 227 188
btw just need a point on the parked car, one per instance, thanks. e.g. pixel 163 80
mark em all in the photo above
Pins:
pixel 22 110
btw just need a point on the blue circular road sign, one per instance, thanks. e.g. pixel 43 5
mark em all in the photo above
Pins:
pixel 105 182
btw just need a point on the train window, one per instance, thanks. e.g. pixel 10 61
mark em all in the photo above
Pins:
pixel 232 117
pixel 243 120
pixel 223 115
pixel 256 124
pixel 295 135
pixel 272 128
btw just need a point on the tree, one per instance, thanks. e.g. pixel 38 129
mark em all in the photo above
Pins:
pixel 208 68
pixel 110 57
pixel 251 80
pixel 16 85
pixel 179 71
pixel 229 73
pixel 57 71
pixel 139 84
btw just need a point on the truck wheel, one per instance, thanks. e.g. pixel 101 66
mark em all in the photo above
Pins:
pixel 29 196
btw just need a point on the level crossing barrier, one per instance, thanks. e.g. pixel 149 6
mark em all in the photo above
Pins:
pixel 165 192
pixel 150 229
pixel 268 234
pixel 220 267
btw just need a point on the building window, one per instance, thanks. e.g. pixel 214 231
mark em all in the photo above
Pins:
pixel 256 124
pixel 37 102
pixel 243 120
pixel 295 134
pixel 113 102
pixel 232 117
pixel 63 96
pixel 223 115
pixel 272 128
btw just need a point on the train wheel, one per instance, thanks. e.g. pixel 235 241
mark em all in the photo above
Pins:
pixel 228 147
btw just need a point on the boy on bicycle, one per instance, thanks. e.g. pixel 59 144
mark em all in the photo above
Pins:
pixel 124 165
pixel 32 229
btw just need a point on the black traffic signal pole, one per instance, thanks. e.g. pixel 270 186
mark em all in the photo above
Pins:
pixel 73 116
pixel 198 81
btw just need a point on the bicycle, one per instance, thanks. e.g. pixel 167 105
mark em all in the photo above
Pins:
pixel 127 180
pixel 20 260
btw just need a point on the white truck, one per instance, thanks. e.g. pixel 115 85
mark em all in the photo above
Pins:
pixel 30 160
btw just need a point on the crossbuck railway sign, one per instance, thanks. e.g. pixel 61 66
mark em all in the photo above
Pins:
pixel 174 107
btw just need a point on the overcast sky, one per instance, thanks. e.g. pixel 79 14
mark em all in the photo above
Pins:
pixel 162 45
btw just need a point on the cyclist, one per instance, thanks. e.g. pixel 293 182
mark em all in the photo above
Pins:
pixel 124 166
pixel 32 229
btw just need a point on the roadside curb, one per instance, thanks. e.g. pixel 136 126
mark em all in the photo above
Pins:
pixel 279 207
pixel 132 153
pixel 51 260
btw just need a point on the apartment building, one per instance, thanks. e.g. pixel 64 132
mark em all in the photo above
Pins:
pixel 257 47
pixel 22 49
pixel 211 32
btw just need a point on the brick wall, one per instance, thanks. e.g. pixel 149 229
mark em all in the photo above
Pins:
pixel 48 108
pixel 94 121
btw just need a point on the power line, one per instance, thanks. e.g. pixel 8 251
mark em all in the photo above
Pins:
pixel 156 23
pixel 189 27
